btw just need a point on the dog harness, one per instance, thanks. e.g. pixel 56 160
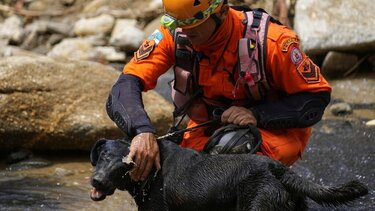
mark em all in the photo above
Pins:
pixel 186 93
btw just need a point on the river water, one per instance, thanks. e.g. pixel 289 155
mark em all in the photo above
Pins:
pixel 62 186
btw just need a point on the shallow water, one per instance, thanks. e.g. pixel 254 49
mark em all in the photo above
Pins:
pixel 62 186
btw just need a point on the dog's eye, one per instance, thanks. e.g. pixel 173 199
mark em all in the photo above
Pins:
pixel 104 155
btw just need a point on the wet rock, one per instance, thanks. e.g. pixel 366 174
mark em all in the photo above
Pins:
pixel 336 64
pixel 10 178
pixel 334 25
pixel 126 35
pixel 61 172
pixel 49 104
pixel 340 109
pixel 102 24
pixel 19 155
pixel 29 164
pixel 370 123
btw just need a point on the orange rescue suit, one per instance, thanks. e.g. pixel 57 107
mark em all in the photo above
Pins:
pixel 286 72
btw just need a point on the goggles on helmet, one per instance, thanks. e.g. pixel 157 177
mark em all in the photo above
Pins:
pixel 172 23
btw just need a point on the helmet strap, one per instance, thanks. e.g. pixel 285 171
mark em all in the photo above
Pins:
pixel 217 21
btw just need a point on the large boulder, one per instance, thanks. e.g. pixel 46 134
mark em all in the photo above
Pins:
pixel 102 24
pixel 48 104
pixel 339 25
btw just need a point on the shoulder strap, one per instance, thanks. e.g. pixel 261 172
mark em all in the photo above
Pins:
pixel 252 54
pixel 243 7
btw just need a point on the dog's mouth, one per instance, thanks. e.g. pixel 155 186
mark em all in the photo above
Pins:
pixel 100 188
pixel 97 195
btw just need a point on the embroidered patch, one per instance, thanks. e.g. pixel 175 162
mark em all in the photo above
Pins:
pixel 157 36
pixel 145 50
pixel 287 43
pixel 309 71
pixel 296 56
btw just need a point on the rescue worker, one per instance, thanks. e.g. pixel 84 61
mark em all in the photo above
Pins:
pixel 283 93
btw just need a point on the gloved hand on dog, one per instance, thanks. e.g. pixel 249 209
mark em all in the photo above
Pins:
pixel 144 150
pixel 238 116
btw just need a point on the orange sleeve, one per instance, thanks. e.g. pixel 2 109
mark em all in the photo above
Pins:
pixel 291 70
pixel 153 58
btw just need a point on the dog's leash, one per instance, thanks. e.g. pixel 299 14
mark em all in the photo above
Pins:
pixel 216 114
pixel 178 132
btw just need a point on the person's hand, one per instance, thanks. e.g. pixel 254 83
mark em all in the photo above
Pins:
pixel 145 150
pixel 238 116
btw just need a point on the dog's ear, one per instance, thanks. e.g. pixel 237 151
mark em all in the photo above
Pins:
pixel 94 155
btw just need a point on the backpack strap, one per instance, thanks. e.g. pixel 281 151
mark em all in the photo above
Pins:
pixel 252 54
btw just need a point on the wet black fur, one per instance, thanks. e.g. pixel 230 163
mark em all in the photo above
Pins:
pixel 190 180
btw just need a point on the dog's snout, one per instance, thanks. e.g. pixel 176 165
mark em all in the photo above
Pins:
pixel 97 181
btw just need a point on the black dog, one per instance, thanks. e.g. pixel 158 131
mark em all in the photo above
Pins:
pixel 190 180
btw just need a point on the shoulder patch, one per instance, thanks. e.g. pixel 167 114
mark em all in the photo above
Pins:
pixel 157 36
pixel 287 43
pixel 309 71
pixel 145 50
pixel 296 56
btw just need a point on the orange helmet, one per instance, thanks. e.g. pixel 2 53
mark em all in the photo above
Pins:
pixel 188 13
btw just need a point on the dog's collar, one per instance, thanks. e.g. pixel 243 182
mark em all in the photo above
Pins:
pixel 142 189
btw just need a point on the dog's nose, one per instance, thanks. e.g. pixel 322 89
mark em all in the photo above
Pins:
pixel 97 181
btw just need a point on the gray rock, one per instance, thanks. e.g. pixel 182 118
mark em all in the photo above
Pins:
pixel 126 35
pixel 61 172
pixel 29 164
pixel 12 30
pixel 341 109
pixel 336 64
pixel 74 48
pixel 102 24
pixel 354 90
pixel 110 54
pixel 19 155
pixel 343 25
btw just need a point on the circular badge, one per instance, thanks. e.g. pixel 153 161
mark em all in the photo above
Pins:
pixel 296 56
